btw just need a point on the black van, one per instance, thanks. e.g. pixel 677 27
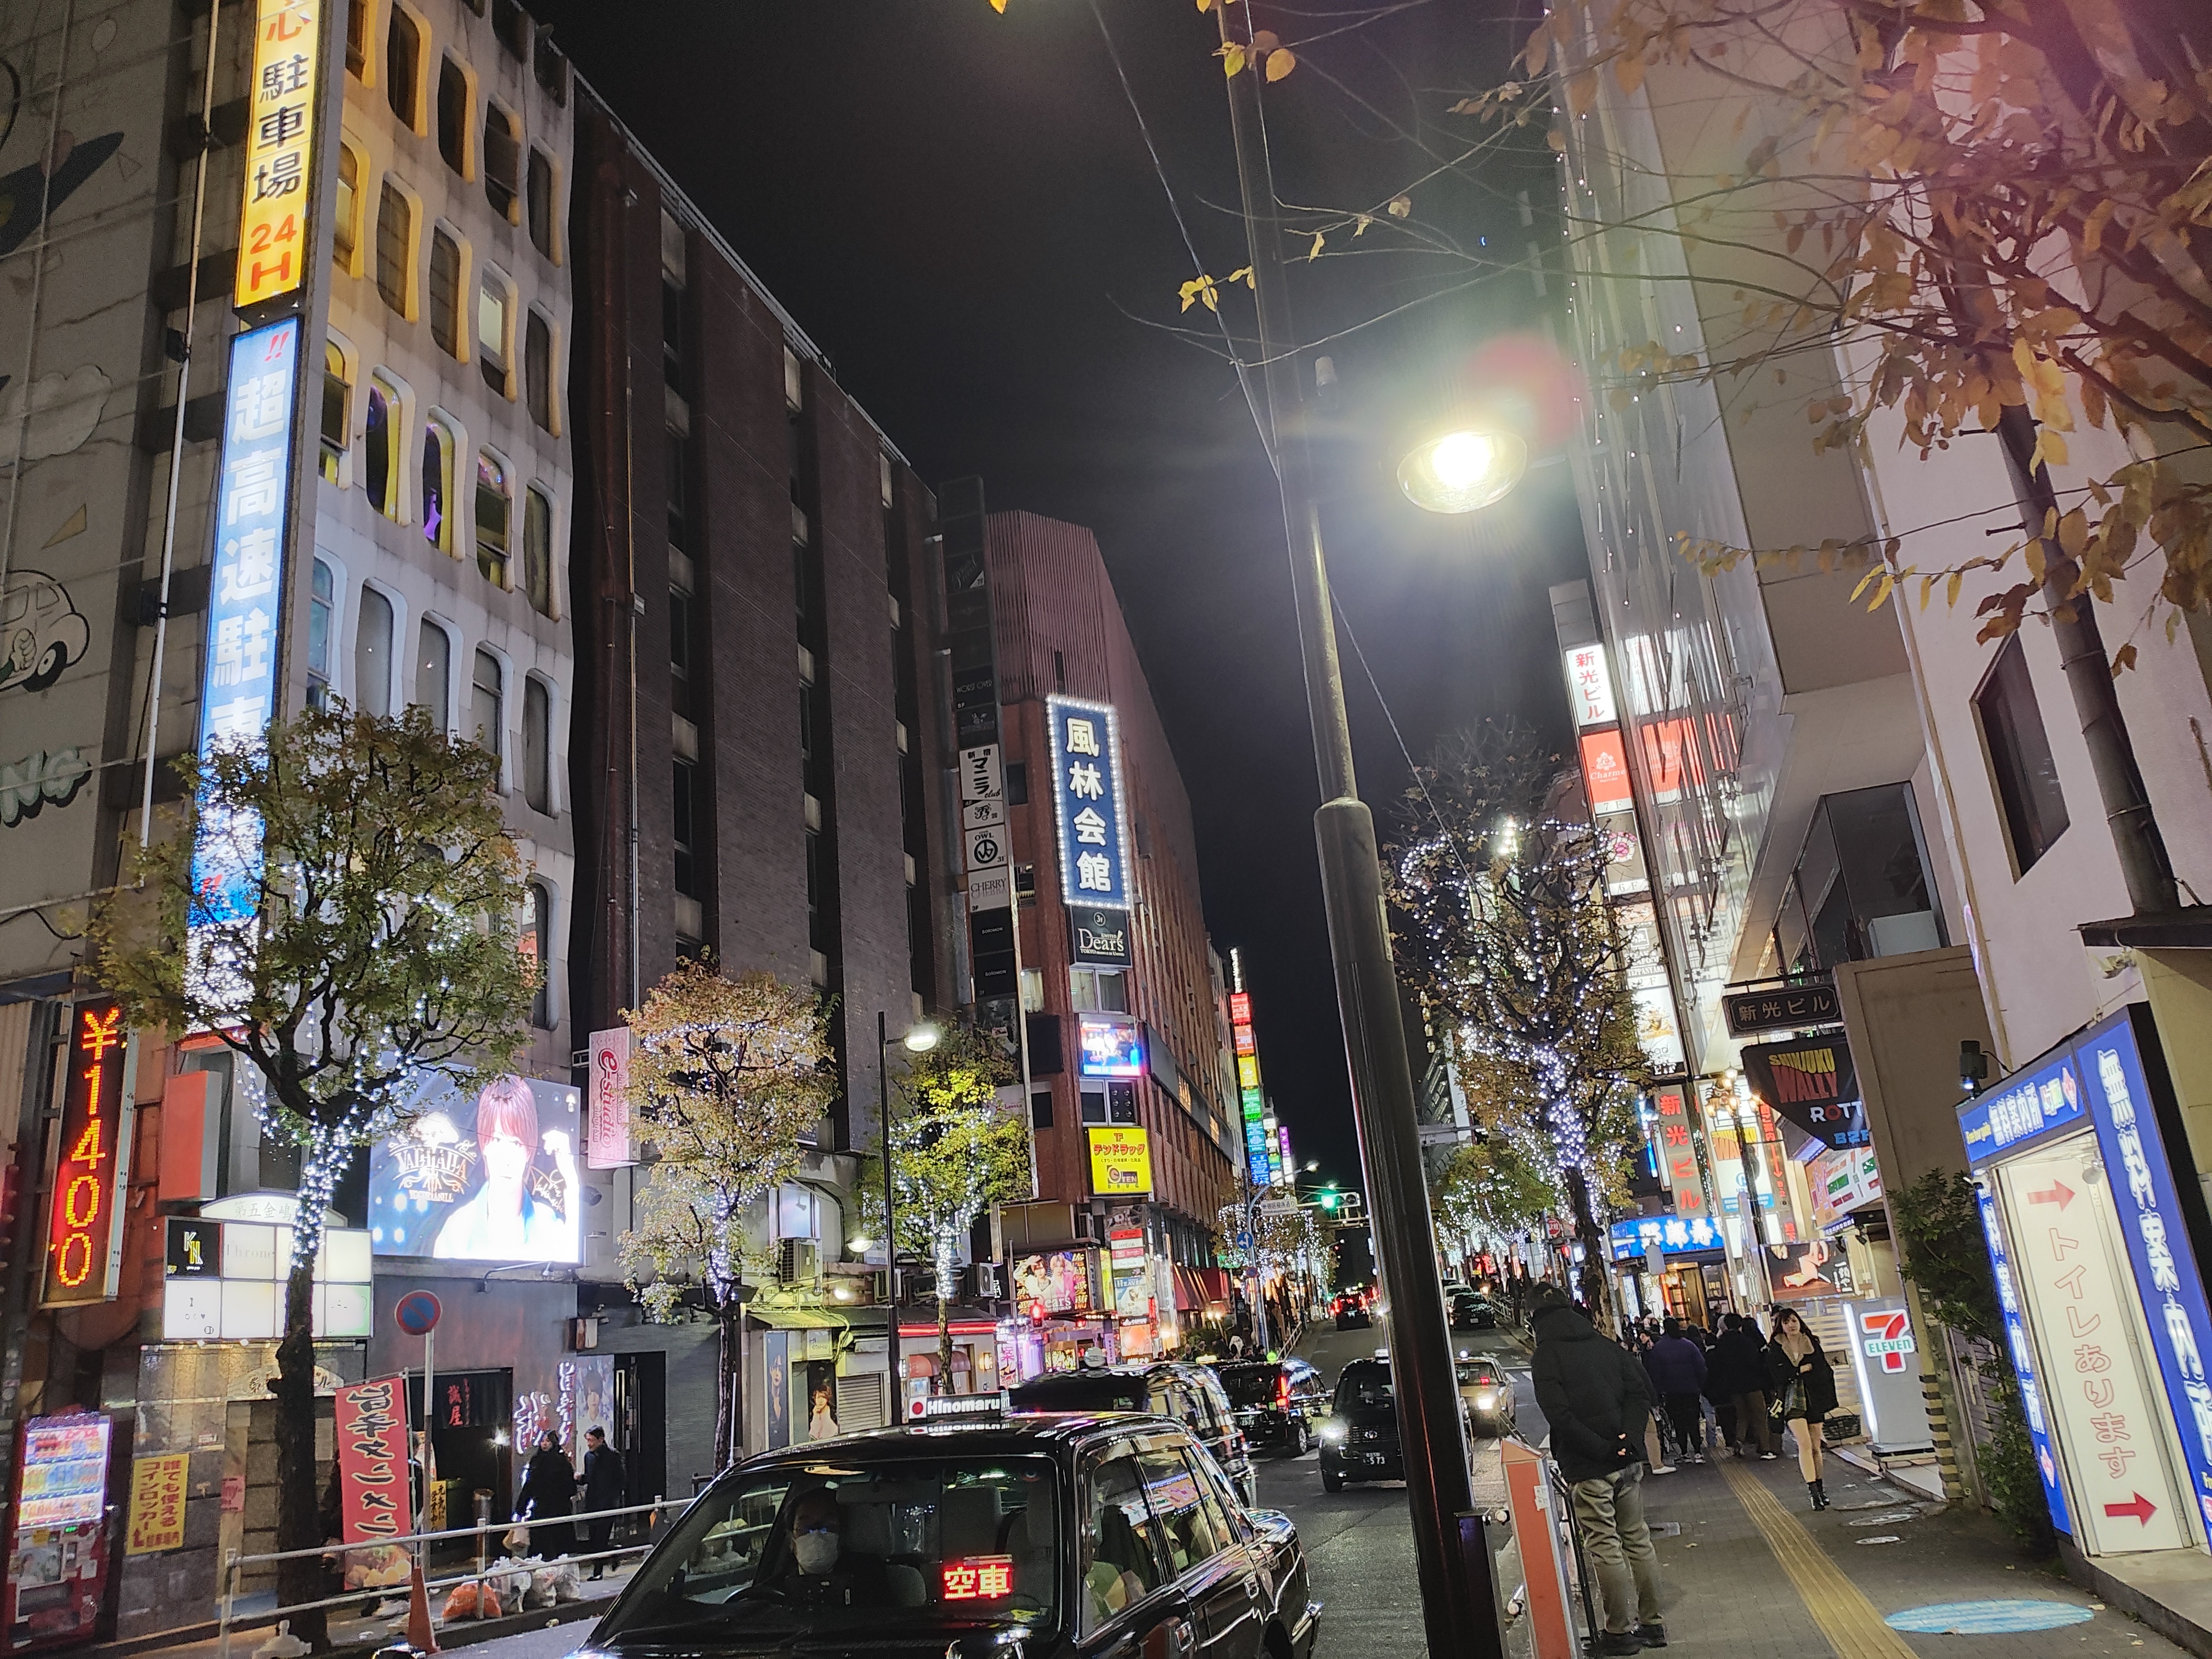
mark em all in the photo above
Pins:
pixel 1360 1441
pixel 1189 1394
pixel 1279 1402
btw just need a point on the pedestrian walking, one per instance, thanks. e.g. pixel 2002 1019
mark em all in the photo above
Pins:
pixel 602 1481
pixel 1742 1353
pixel 1595 1397
pixel 1677 1369
pixel 548 1496
pixel 1804 1388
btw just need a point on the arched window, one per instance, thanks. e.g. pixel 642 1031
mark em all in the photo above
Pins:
pixel 372 654
pixel 484 686
pixel 403 69
pixel 538 944
pixel 356 37
pixel 494 308
pixel 322 602
pixel 538 368
pixel 338 409
pixel 537 550
pixel 434 675
pixel 542 226
pixel 493 509
pixel 537 744
pixel 381 446
pixel 453 116
pixel 437 484
pixel 446 292
pixel 502 161
pixel 345 212
pixel 395 242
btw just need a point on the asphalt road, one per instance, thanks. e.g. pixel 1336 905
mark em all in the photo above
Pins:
pixel 1360 1541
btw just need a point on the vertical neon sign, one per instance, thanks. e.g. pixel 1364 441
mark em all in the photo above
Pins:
pixel 84 1227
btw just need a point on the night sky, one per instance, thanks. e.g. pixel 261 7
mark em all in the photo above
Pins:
pixel 958 207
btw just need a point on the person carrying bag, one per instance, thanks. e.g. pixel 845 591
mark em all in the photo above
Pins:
pixel 1802 1385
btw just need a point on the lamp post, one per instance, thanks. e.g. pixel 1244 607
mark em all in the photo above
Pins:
pixel 920 1039
pixel 1459 1595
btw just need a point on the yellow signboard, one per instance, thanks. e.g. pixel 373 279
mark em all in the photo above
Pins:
pixel 280 150
pixel 1121 1162
pixel 157 1505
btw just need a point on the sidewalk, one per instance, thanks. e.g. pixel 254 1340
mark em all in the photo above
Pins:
pixel 1754 1573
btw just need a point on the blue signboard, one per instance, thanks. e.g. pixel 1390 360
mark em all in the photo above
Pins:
pixel 1672 1234
pixel 1088 804
pixel 2030 1105
pixel 2023 1364
pixel 238 693
pixel 2149 1206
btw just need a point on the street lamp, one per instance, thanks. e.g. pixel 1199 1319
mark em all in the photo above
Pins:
pixel 920 1039
pixel 1459 1591
pixel 1463 471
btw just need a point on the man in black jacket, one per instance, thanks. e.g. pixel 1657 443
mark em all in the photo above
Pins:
pixel 1597 1400
pixel 602 1481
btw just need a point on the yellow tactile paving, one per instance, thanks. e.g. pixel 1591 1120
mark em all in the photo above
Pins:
pixel 1839 1606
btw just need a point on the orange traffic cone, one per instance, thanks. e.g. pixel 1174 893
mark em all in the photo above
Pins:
pixel 420 1635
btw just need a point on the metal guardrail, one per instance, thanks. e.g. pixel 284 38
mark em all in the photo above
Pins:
pixel 227 1603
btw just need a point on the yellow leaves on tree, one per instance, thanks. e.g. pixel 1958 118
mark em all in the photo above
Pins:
pixel 1204 290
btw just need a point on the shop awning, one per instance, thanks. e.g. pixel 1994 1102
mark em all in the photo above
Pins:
pixel 778 1318
pixel 1190 1291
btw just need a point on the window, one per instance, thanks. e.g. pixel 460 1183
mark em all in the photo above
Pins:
pixel 395 239
pixel 1120 1557
pixel 322 601
pixel 453 116
pixel 345 213
pixel 381 446
pixel 437 484
pixel 1093 1105
pixel 676 493
pixel 337 405
pixel 434 674
pixel 551 69
pixel 446 292
pixel 372 654
pixel 491 331
pixel 502 161
pixel 538 369
pixel 537 745
pixel 683 830
pixel 537 550
pixel 671 334
pixel 540 195
pixel 1040 1110
pixel 493 506
pixel 356 37
pixel 403 69
pixel 2026 778
pixel 539 943
pixel 679 653
pixel 511 28
pixel 484 685
pixel 817 923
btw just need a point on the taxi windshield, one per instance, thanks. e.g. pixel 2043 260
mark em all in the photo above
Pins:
pixel 846 1546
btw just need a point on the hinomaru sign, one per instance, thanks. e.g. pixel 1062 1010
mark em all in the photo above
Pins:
pixel 84 1226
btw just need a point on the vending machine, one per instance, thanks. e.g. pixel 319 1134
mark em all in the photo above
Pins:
pixel 58 1544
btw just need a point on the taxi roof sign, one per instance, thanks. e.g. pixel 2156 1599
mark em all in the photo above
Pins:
pixel 938 1406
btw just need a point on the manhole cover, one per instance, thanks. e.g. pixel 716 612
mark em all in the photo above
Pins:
pixel 1987 1618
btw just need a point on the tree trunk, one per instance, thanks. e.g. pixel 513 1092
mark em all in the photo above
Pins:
pixel 1590 1278
pixel 942 1382
pixel 299 1520
pixel 729 1391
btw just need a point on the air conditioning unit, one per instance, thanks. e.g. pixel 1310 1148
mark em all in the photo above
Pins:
pixel 798 1262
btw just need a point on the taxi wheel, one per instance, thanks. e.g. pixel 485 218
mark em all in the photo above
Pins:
pixel 1331 1482
pixel 1301 1440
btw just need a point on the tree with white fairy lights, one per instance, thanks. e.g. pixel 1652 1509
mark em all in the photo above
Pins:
pixel 1503 926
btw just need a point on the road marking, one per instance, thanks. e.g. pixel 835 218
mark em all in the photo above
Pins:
pixel 1839 1606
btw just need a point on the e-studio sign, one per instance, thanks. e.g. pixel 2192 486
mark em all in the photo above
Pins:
pixel 1099 937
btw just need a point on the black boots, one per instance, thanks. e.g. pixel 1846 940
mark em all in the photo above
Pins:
pixel 1819 1492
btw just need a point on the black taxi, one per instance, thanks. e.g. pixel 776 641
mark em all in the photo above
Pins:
pixel 1106 1536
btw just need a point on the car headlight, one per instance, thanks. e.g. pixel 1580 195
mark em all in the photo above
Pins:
pixel 1485 1400
pixel 1332 1433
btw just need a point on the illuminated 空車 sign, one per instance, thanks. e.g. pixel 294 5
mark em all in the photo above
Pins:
pixel 1088 803
pixel 246 603
pixel 280 151
pixel 84 1227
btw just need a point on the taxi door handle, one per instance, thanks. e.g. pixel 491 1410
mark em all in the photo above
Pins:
pixel 1182 1637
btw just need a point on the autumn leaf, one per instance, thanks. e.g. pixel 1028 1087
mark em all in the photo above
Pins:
pixel 1200 289
pixel 1232 59
pixel 1538 49
pixel 1280 63
pixel 1314 252
pixel 1244 276
pixel 1400 207
pixel 2123 659
pixel 999 6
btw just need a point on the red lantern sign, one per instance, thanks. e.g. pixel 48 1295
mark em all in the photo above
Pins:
pixel 84 1228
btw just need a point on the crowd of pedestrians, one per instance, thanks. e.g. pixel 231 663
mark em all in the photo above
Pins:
pixel 1735 1389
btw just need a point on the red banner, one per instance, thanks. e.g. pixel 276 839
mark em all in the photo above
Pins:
pixel 374 1500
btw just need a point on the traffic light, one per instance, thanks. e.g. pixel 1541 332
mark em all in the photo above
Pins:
pixel 1328 1201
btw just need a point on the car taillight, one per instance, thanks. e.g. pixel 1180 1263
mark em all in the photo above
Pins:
pixel 1282 1393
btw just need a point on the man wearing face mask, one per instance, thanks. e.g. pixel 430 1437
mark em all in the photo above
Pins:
pixel 819 1571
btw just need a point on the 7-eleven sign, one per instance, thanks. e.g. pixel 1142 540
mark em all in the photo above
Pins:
pixel 1886 1335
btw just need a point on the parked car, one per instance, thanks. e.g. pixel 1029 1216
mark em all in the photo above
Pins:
pixel 1359 1440
pixel 1487 1394
pixel 1189 1394
pixel 1471 1311
pixel 1059 1537
pixel 1278 1403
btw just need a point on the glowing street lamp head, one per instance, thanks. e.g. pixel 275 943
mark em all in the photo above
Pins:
pixel 921 1039
pixel 1463 471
